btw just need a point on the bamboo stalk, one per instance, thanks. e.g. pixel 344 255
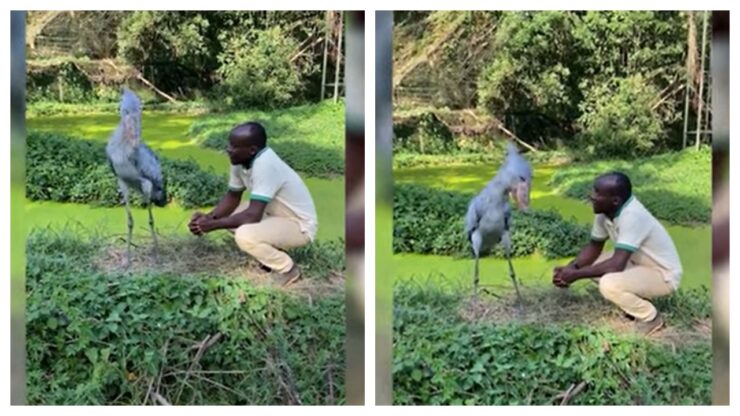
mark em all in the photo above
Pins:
pixel 701 80
pixel 339 56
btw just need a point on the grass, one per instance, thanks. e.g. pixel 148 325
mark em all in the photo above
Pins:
pixel 452 349
pixel 675 187
pixel 96 335
pixel 310 137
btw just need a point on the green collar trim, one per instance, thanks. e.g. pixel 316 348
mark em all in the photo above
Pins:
pixel 619 211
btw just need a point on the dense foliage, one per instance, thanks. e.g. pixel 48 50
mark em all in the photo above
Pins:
pixel 66 169
pixel 99 338
pixel 440 358
pixel 431 221
pixel 597 82
pixel 237 58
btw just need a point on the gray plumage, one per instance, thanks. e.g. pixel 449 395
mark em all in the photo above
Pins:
pixel 135 165
pixel 488 219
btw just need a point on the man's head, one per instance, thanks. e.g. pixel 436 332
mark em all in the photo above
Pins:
pixel 245 141
pixel 610 191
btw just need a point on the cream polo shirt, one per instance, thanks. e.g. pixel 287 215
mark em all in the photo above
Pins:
pixel 271 180
pixel 636 230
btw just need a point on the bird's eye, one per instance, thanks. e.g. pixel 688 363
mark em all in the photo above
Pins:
pixel 523 178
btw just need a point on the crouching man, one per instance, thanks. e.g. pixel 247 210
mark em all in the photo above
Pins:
pixel 280 213
pixel 644 264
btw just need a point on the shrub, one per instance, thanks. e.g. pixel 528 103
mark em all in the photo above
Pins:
pixel 64 169
pixel 430 221
pixel 64 83
pixel 618 120
pixel 95 338
pixel 259 71
pixel 431 136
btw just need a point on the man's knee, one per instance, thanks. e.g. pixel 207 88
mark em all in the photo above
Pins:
pixel 609 285
pixel 245 237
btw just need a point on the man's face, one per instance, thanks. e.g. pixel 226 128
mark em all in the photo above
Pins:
pixel 602 200
pixel 240 150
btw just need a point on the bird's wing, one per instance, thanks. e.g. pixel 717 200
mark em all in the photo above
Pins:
pixel 473 216
pixel 148 165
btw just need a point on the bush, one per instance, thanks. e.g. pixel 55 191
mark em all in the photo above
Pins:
pixel 618 120
pixel 64 169
pixel 309 138
pixel 430 136
pixel 64 83
pixel 96 338
pixel 259 71
pixel 439 358
pixel 430 221
pixel 675 187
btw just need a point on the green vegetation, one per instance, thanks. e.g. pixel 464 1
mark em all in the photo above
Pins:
pixel 594 82
pixel 309 138
pixel 675 187
pixel 65 169
pixel 430 221
pixel 448 351
pixel 93 338
pixel 236 59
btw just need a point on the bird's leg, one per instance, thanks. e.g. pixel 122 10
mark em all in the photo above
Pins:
pixel 154 234
pixel 130 219
pixel 506 241
pixel 476 278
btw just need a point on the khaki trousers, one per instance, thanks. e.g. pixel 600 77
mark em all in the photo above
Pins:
pixel 632 288
pixel 264 240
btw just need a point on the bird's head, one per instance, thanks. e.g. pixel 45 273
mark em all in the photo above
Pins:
pixel 520 172
pixel 130 110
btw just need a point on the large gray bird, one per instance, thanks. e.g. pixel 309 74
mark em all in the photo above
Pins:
pixel 135 165
pixel 488 220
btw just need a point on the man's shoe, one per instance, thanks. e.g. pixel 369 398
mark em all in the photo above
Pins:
pixel 287 278
pixel 648 328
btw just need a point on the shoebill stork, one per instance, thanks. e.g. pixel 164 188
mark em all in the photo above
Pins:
pixel 488 220
pixel 135 165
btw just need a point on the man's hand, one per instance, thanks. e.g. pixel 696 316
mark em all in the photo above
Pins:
pixel 562 276
pixel 204 225
pixel 195 220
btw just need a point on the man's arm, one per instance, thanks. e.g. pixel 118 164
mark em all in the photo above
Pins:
pixel 588 254
pixel 250 215
pixel 617 263
pixel 226 205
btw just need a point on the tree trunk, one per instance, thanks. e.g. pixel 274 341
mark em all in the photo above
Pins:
pixel 701 80
pixel 323 66
pixel 339 57
pixel 690 64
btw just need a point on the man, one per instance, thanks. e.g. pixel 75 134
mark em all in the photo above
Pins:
pixel 280 213
pixel 645 262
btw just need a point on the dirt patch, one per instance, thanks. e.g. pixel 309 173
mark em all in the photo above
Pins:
pixel 546 306
pixel 207 257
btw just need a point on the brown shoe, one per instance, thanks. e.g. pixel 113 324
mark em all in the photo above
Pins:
pixel 287 278
pixel 648 328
